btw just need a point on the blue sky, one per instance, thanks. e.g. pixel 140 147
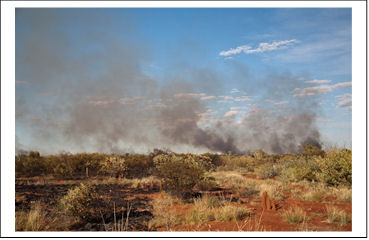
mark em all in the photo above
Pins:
pixel 186 79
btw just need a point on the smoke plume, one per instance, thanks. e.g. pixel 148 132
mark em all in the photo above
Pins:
pixel 100 98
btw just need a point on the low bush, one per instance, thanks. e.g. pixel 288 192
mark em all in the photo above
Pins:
pixel 114 166
pixel 81 202
pixel 138 165
pixel 31 165
pixel 258 154
pixel 242 164
pixel 310 150
pixel 180 173
pixel 268 171
pixel 336 167
pixel 206 183
pixel 215 159
pixel 302 168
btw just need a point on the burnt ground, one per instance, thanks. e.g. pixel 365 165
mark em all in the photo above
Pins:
pixel 123 196
pixel 114 195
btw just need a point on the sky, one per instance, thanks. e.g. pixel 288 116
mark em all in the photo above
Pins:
pixel 185 79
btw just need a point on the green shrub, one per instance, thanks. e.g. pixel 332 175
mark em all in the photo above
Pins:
pixel 268 171
pixel 206 183
pixel 238 163
pixel 215 159
pixel 301 169
pixel 64 166
pixel 80 202
pixel 336 167
pixel 180 173
pixel 258 154
pixel 312 150
pixel 138 165
pixel 114 166
pixel 31 165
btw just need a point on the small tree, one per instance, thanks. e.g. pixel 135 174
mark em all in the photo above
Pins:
pixel 258 154
pixel 114 166
pixel 79 201
pixel 180 173
pixel 312 150
pixel 336 167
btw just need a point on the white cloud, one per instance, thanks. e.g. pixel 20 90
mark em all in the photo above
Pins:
pixel 343 84
pixel 239 108
pixel 276 102
pixel 311 91
pixel 263 47
pixel 345 101
pixel 100 102
pixel 235 90
pixel 189 95
pixel 230 113
pixel 129 100
pixel 316 81
pixel 228 99
pixel 242 99
pixel 202 96
pixel 207 97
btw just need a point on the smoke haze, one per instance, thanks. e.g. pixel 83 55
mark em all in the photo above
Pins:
pixel 99 98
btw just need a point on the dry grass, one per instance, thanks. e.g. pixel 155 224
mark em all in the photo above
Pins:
pixel 230 213
pixel 118 225
pixel 198 216
pixel 34 220
pixel 202 210
pixel 239 184
pixel 295 215
pixel 336 215
pixel 251 225
pixel 210 208
pixel 315 196
pixel 273 188
pixel 164 215
pixel 342 193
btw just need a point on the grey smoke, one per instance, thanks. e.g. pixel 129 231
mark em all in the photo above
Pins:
pixel 101 100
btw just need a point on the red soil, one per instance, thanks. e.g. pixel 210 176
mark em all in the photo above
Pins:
pixel 260 220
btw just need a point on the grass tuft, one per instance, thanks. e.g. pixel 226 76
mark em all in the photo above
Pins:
pixel 34 220
pixel 336 215
pixel 295 215
pixel 315 196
